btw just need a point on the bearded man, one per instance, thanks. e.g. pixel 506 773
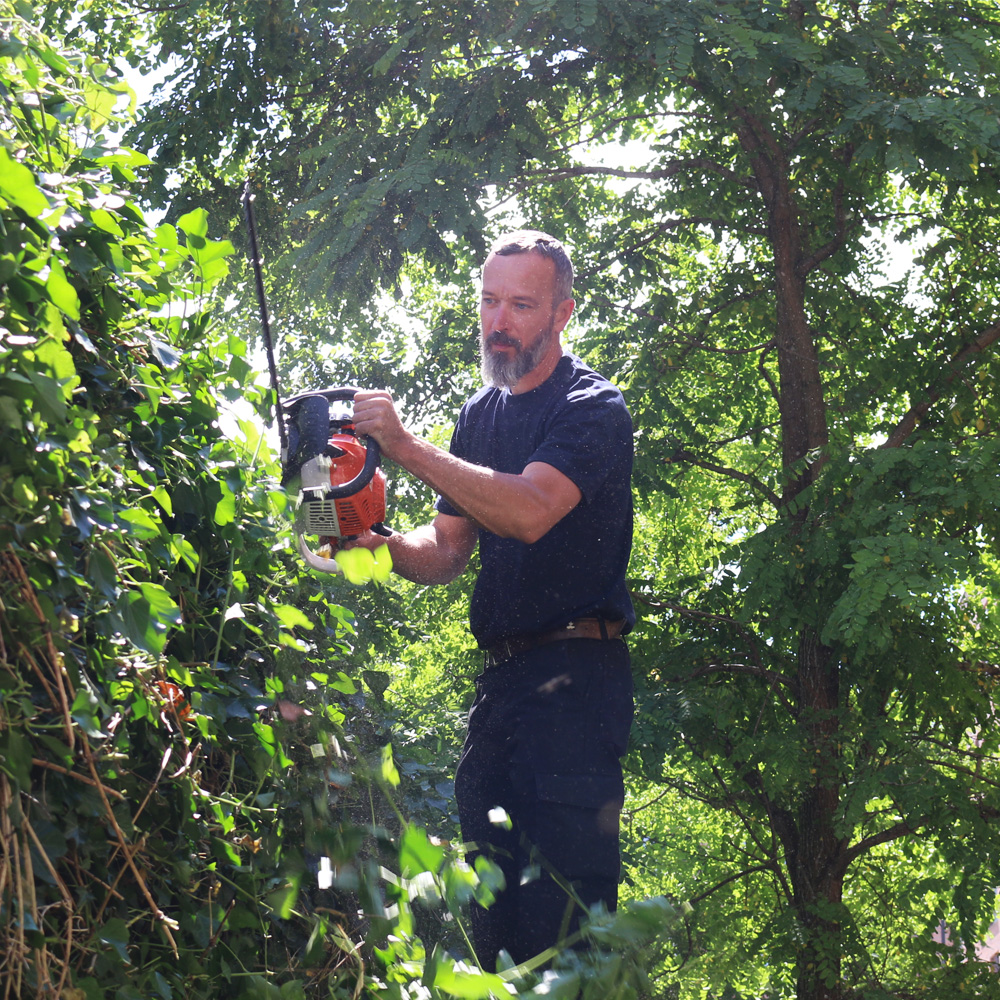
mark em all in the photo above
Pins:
pixel 538 475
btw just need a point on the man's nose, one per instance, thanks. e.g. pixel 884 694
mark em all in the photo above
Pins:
pixel 501 318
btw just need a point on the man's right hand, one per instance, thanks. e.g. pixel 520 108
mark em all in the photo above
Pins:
pixel 375 416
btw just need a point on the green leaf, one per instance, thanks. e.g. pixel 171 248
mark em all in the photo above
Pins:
pixel 343 683
pixel 18 186
pixel 292 617
pixel 104 220
pixel 61 292
pixel 146 616
pixel 417 853
pixel 194 223
pixel 114 934
pixel 388 767
pixel 49 399
pixel 15 756
pixel 84 713
pixel 465 983
pixel 225 509
pixel 140 524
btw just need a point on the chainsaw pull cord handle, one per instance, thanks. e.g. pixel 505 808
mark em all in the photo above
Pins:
pixel 265 322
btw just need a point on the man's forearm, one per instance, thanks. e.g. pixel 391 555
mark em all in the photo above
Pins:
pixel 421 556
pixel 522 506
pixel 511 506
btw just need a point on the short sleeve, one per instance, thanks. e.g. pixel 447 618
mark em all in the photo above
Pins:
pixel 587 438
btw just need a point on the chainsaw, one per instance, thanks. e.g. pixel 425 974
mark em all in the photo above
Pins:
pixel 340 487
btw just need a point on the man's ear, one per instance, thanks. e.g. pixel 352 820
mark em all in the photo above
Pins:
pixel 562 313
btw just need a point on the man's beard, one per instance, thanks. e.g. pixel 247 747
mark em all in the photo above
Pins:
pixel 503 372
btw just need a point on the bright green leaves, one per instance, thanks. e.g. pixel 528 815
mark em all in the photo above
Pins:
pixel 361 566
pixel 208 256
pixel 85 713
pixel 418 854
pixel 61 292
pixel 389 773
pixel 131 524
pixel 18 187
pixel 751 132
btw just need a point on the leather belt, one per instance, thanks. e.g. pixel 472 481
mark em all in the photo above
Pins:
pixel 581 628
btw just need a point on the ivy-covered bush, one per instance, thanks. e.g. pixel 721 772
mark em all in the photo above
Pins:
pixel 163 788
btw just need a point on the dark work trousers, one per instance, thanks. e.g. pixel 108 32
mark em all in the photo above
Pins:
pixel 546 733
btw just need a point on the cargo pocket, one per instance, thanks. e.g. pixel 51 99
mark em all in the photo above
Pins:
pixel 578 823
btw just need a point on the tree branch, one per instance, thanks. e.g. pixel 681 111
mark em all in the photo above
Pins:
pixel 697 343
pixel 863 846
pixel 777 817
pixel 771 676
pixel 968 771
pixel 826 251
pixel 38 762
pixel 912 417
pixel 680 166
pixel 683 455
pixel 764 374
pixel 732 878
pixel 680 609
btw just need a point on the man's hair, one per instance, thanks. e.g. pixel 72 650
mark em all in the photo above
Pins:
pixel 531 240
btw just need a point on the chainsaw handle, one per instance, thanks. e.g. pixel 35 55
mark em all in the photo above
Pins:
pixel 345 394
pixel 320 563
pixel 373 454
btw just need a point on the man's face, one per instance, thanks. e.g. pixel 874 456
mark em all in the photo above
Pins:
pixel 520 323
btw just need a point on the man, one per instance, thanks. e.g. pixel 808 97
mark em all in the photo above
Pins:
pixel 539 475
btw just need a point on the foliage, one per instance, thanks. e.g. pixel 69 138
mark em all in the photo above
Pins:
pixel 790 264
pixel 157 810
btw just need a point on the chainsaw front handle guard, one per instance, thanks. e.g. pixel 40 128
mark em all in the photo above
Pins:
pixel 373 454
pixel 324 564
pixel 317 562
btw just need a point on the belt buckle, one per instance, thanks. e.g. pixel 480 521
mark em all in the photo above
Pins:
pixel 498 653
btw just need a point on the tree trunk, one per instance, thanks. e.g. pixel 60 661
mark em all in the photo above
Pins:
pixel 803 411
pixel 816 861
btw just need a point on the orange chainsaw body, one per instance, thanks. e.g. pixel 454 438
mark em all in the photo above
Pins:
pixel 340 463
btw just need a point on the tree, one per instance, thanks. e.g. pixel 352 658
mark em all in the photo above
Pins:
pixel 817 435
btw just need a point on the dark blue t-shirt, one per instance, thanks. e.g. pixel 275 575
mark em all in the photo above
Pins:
pixel 577 422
